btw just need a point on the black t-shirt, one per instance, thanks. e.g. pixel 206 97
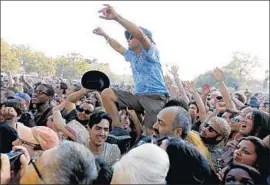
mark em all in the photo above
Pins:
pixel 41 119
pixel 27 119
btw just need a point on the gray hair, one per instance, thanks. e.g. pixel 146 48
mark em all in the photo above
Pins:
pixel 145 164
pixel 72 163
pixel 182 120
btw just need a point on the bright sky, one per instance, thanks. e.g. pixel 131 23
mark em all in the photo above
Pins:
pixel 197 36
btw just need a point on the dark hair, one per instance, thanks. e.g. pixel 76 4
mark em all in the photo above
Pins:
pixel 261 125
pixel 105 172
pixel 186 160
pixel 175 102
pixel 16 104
pixel 192 102
pixel 262 161
pixel 50 90
pixel 96 117
pixel 253 173
pixel 36 85
pixel 63 86
pixel 77 87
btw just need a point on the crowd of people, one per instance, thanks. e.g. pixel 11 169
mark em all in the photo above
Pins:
pixel 68 134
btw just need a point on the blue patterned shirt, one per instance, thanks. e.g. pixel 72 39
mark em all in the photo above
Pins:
pixel 147 72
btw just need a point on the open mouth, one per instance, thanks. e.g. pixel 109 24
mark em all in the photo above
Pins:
pixel 243 127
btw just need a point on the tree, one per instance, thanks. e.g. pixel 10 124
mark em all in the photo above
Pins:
pixel 207 78
pixel 242 66
pixel 9 62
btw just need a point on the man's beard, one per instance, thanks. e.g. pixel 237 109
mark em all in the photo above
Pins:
pixel 211 141
pixel 83 122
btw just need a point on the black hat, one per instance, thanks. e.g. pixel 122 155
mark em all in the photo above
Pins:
pixel 95 80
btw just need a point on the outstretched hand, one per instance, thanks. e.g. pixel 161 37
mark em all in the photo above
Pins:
pixel 206 89
pixel 218 74
pixel 108 13
pixel 191 86
pixel 174 70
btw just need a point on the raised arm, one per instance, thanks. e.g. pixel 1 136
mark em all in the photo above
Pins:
pixel 218 76
pixel 10 81
pixel 237 103
pixel 181 89
pixel 199 102
pixel 205 91
pixel 109 13
pixel 113 43
pixel 137 124
pixel 73 98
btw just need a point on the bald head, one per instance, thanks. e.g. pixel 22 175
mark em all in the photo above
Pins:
pixel 171 118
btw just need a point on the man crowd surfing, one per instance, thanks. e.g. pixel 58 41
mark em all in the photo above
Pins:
pixel 59 133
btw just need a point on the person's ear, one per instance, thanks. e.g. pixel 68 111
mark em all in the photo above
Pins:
pixel 178 132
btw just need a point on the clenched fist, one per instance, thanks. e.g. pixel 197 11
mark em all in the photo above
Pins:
pixel 99 31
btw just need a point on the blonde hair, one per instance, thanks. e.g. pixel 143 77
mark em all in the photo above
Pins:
pixel 146 164
pixel 194 139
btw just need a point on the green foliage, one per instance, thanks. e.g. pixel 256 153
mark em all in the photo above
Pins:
pixel 207 78
pixel 237 73
pixel 72 66
pixel 9 61
pixel 242 65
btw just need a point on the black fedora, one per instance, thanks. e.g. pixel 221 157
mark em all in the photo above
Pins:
pixel 95 80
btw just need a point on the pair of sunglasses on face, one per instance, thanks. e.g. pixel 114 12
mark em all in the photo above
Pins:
pixel 34 146
pixel 236 120
pixel 40 92
pixel 210 129
pixel 79 109
pixel 130 37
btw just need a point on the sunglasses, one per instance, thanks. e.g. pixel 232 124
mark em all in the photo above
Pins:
pixel 33 162
pixel 235 120
pixel 219 98
pixel 210 129
pixel 82 110
pixel 41 92
pixel 34 146
pixel 131 37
